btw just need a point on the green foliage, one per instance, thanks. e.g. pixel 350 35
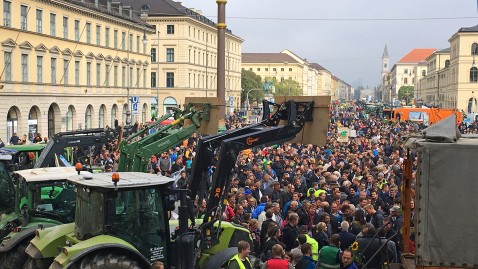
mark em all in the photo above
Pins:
pixel 249 80
pixel 406 93
pixel 288 87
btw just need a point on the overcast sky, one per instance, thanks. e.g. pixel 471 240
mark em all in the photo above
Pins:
pixel 345 36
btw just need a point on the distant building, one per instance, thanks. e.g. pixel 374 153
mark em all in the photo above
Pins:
pixel 403 72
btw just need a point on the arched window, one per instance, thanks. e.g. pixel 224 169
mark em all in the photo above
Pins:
pixel 114 111
pixel 88 116
pixel 447 63
pixel 69 118
pixel 405 81
pixel 474 49
pixel 473 74
pixel 472 104
pixel 101 122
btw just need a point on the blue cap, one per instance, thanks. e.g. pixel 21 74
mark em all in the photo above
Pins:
pixel 248 191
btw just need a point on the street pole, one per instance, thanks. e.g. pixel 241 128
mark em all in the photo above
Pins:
pixel 128 109
pixel 221 58
pixel 157 78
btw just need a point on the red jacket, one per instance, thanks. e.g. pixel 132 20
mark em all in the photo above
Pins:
pixel 276 263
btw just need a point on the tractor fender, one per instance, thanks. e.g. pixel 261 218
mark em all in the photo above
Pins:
pixel 143 261
pixel 217 260
pixel 8 244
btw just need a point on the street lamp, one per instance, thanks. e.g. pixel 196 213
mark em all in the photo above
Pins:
pixel 247 97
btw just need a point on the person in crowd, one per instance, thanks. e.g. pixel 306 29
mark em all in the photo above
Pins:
pixel 306 262
pixel 277 261
pixel 347 260
pixel 241 259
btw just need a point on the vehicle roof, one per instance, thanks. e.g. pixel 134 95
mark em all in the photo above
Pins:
pixel 127 180
pixel 28 147
pixel 50 174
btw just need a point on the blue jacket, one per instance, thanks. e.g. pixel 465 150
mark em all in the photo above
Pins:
pixel 259 209
pixel 305 263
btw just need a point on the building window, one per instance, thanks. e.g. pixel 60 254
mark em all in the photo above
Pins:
pixel 474 74
pixel 153 55
pixel 98 35
pixel 144 78
pixel 405 71
pixel 170 80
pixel 447 63
pixel 77 30
pixel 39 20
pixel 123 76
pixel 107 79
pixel 250 69
pixel 98 75
pixel 137 76
pixel 115 76
pixel 282 69
pixel 77 72
pixel 153 79
pixel 405 80
pixel 290 69
pixel 123 40
pixel 258 69
pixel 115 39
pixel 274 69
pixel 7 56
pixel 130 82
pixel 65 27
pixel 53 70
pixel 169 55
pixel 39 69
pixel 107 37
pixel 474 49
pixel 130 47
pixel 267 69
pixel 65 72
pixel 7 13
pixel 137 43
pixel 52 24
pixel 88 32
pixel 424 73
pixel 23 17
pixel 88 74
pixel 25 67
pixel 170 29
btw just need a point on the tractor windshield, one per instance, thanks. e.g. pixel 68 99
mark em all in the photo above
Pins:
pixel 139 219
pixel 51 199
pixel 8 192
pixel 89 217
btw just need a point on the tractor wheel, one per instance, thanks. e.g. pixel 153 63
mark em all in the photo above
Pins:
pixel 37 263
pixel 15 258
pixel 105 260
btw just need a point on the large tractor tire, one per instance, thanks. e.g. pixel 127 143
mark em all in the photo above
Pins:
pixel 104 260
pixel 15 258
pixel 38 263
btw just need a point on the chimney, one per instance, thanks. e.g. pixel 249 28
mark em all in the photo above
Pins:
pixel 199 12
pixel 108 5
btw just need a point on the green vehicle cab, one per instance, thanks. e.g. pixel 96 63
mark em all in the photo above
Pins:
pixel 126 224
pixel 43 198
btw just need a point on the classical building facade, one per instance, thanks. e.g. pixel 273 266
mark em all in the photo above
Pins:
pixel 312 77
pixel 434 87
pixel 403 72
pixel 184 55
pixel 70 65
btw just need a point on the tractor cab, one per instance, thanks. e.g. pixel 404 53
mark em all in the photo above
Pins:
pixel 6 185
pixel 128 206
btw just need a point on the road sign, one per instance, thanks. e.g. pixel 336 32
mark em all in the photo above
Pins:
pixel 134 105
pixel 134 109
pixel 231 101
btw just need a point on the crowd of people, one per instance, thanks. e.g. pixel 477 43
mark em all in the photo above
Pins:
pixel 327 206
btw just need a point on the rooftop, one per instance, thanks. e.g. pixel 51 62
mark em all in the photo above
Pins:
pixel 50 174
pixel 417 55
pixel 127 180
pixel 267 58
pixel 468 29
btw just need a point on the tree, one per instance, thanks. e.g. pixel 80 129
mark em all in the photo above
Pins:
pixel 249 80
pixel 406 93
pixel 288 87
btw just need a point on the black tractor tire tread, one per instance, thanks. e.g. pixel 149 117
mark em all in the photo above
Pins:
pixel 37 264
pixel 16 257
pixel 104 260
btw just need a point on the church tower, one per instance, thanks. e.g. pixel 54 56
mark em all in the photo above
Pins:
pixel 385 62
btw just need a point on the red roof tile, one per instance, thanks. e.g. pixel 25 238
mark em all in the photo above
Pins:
pixel 417 55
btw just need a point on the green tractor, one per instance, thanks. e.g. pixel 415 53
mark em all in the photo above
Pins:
pixel 42 198
pixel 122 221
